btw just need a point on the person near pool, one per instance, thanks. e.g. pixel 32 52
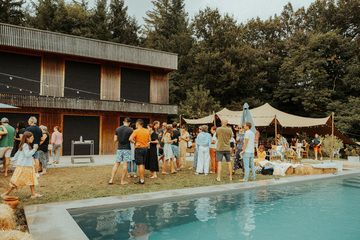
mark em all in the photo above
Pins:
pixel 248 152
pixel 238 162
pixel 140 137
pixel 6 143
pixel 213 163
pixel 317 146
pixel 203 142
pixel 43 149
pixel 24 174
pixel 56 141
pixel 175 145
pixel 132 163
pixel 151 162
pixel 223 135
pixel 168 152
pixel 161 133
pixel 123 152
pixel 37 133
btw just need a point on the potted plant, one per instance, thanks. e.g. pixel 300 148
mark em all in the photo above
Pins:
pixel 352 154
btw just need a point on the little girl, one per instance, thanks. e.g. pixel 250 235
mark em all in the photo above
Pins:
pixel 261 155
pixel 24 174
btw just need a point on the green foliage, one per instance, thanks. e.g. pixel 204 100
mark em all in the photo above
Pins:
pixel 199 103
pixel 11 11
pixel 327 144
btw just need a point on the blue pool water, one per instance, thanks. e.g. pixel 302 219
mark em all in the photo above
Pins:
pixel 326 209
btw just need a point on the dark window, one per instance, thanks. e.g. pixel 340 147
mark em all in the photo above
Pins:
pixel 14 118
pixel 76 126
pixel 82 80
pixel 19 66
pixel 135 85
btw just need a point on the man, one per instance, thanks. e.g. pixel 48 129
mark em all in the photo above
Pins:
pixel 123 153
pixel 282 145
pixel 6 142
pixel 37 132
pixel 248 152
pixel 317 146
pixel 140 137
pixel 161 144
pixel 223 135
pixel 175 145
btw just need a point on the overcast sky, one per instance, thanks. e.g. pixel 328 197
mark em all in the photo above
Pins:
pixel 241 9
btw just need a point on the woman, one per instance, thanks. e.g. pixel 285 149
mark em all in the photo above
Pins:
pixel 43 149
pixel 168 153
pixel 184 139
pixel 203 142
pixel 151 162
pixel 56 141
pixel 24 174
pixel 132 162
pixel 238 163
pixel 213 165
pixel 21 126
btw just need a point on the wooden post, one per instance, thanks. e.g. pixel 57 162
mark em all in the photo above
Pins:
pixel 214 118
pixel 180 121
pixel 276 131
pixel 332 135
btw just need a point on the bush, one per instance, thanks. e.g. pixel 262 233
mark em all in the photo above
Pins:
pixel 326 145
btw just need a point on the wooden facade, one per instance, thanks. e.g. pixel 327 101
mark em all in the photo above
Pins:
pixel 52 104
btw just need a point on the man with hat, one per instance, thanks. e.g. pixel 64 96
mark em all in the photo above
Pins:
pixel 7 134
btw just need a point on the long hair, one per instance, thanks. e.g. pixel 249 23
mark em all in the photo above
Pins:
pixel 169 129
pixel 24 138
pixel 151 126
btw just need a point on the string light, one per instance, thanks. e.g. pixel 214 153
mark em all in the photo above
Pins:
pixel 10 78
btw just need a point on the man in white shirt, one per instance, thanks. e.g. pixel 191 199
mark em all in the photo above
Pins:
pixel 248 152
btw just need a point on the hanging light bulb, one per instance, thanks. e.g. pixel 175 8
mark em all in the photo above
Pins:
pixel 10 78
pixel 7 87
pixel 20 90
pixel 77 92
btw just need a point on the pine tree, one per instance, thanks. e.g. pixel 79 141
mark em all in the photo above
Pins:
pixel 11 11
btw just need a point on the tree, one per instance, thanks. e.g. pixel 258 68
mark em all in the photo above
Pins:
pixel 198 103
pixel 124 29
pixel 11 11
pixel 99 21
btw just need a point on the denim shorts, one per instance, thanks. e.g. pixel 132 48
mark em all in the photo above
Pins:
pixel 175 150
pixel 221 154
pixel 36 155
pixel 123 155
pixel 140 155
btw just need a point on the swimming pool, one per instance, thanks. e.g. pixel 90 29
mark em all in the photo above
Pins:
pixel 326 209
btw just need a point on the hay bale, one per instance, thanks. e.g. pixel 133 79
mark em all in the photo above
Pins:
pixel 316 171
pixel 303 170
pixel 289 171
pixel 310 161
pixel 14 235
pixel 7 217
pixel 329 170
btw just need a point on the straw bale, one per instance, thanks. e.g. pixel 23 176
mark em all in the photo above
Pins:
pixel 290 171
pixel 14 235
pixel 7 217
pixel 303 170
pixel 329 170
pixel 316 171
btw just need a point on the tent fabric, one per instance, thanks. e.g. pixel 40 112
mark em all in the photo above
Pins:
pixel 205 120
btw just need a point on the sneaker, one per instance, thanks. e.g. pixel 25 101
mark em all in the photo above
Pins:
pixel 197 173
pixel 37 175
pixel 321 159
pixel 139 183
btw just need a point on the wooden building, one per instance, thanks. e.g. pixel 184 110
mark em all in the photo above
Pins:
pixel 85 86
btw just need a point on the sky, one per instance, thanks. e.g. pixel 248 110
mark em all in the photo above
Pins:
pixel 242 10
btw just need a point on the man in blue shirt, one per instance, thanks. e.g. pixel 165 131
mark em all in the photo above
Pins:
pixel 248 152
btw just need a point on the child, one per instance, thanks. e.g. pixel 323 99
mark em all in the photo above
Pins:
pixel 261 155
pixel 24 174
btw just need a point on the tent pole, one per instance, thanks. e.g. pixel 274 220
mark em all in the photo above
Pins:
pixel 214 119
pixel 275 131
pixel 332 135
pixel 180 121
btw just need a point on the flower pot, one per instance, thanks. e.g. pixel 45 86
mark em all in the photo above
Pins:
pixel 11 201
pixel 353 159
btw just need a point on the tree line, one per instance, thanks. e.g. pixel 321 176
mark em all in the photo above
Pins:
pixel 304 62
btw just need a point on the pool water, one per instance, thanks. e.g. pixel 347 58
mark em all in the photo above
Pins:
pixel 327 209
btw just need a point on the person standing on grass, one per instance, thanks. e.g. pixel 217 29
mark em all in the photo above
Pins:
pixel 152 163
pixel 184 139
pixel 161 143
pixel 123 153
pixel 140 137
pixel 56 141
pixel 43 149
pixel 213 164
pixel 238 162
pixel 6 143
pixel 248 152
pixel 175 145
pixel 203 142
pixel 317 146
pixel 168 153
pixel 37 133
pixel 24 174
pixel 223 135
pixel 21 128
pixel 132 163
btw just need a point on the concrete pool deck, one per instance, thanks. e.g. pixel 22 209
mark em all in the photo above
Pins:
pixel 53 220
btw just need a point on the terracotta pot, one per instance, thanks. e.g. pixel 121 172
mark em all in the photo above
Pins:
pixel 11 201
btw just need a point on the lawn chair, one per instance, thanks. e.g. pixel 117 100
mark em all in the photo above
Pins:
pixel 336 152
pixel 305 152
pixel 292 156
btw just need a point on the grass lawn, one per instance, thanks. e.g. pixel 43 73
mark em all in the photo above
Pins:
pixel 74 183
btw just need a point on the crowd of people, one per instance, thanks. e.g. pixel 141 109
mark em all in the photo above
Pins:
pixel 29 147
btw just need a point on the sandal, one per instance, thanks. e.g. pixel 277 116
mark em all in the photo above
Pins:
pixel 165 173
pixel 36 196
pixel 153 177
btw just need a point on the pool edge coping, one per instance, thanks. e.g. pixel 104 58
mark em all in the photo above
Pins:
pixel 53 220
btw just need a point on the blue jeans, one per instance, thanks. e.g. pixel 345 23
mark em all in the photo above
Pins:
pixel 132 162
pixel 249 160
